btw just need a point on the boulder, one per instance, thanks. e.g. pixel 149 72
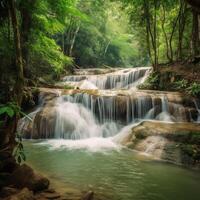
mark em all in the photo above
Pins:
pixel 8 165
pixel 174 142
pixel 24 176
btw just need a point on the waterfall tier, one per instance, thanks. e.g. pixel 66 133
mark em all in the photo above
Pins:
pixel 88 112
pixel 125 78
pixel 73 114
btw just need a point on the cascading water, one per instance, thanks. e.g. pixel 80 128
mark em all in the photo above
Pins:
pixel 74 121
pixel 87 116
pixel 197 105
pixel 125 78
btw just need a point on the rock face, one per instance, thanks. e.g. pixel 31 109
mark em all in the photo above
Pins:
pixel 24 176
pixel 175 142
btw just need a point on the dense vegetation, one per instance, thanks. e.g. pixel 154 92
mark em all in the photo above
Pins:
pixel 170 29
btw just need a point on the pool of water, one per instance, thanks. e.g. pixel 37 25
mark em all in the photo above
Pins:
pixel 113 173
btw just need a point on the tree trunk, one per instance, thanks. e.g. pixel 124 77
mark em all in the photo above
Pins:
pixel 195 34
pixel 26 23
pixel 19 82
pixel 164 32
pixel 172 35
pixel 150 34
pixel 155 36
pixel 181 29
pixel 73 39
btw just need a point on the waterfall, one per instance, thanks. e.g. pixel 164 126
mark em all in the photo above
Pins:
pixel 120 79
pixel 197 106
pixel 83 114
pixel 127 109
pixel 74 121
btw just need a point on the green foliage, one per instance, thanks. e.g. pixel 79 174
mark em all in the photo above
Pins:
pixel 10 109
pixel 181 84
pixel 169 24
pixel 107 39
pixel 46 48
pixel 191 150
pixel 68 87
pixel 152 82
pixel 18 152
pixel 194 89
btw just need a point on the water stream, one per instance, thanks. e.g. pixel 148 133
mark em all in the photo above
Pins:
pixel 112 172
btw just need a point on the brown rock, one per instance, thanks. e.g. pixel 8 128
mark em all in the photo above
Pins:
pixel 8 191
pixel 24 176
pixel 24 194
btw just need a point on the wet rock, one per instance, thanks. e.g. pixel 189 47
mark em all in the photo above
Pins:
pixel 175 142
pixel 24 176
pixel 48 195
pixel 88 196
pixel 8 191
pixel 44 123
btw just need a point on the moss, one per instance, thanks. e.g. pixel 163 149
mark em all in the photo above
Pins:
pixel 185 137
pixel 68 87
pixel 195 138
pixel 141 135
pixel 192 151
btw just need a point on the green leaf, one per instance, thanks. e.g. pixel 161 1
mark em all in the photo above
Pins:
pixel 3 110
pixel 10 112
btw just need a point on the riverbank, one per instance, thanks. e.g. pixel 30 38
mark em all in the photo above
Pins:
pixel 24 183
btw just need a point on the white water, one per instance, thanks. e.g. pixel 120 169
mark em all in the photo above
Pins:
pixel 74 121
pixel 126 78
pixel 94 144
pixel 95 122
pixel 197 105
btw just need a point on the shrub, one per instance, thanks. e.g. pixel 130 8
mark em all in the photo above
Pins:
pixel 181 84
pixel 194 89
pixel 152 82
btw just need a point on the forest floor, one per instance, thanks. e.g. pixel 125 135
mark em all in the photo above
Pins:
pixel 187 71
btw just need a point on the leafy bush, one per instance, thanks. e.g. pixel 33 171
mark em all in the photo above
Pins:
pixel 10 110
pixel 194 89
pixel 152 82
pixel 181 84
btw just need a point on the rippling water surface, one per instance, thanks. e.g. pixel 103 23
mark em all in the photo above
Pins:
pixel 113 173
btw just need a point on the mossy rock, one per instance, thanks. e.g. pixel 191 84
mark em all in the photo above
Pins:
pixel 192 151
